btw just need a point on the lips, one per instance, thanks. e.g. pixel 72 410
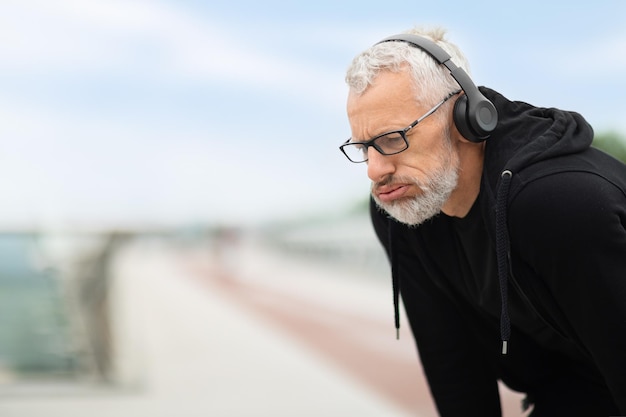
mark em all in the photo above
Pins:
pixel 389 193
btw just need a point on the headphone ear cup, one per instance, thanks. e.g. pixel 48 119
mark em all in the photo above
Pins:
pixel 464 125
pixel 459 114
pixel 483 117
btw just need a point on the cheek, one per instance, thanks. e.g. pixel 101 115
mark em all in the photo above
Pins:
pixel 430 151
pixel 421 164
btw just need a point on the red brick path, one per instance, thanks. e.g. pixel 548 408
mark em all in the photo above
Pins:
pixel 363 347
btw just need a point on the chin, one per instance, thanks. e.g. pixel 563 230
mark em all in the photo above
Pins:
pixel 408 211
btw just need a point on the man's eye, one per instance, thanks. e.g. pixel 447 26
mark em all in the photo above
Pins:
pixel 391 141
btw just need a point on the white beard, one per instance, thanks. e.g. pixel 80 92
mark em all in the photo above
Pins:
pixel 436 190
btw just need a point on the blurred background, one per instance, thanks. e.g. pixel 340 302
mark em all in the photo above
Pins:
pixel 178 230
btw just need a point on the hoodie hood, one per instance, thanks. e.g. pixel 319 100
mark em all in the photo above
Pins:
pixel 521 147
pixel 526 135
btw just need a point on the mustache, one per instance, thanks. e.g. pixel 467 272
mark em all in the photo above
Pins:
pixel 395 179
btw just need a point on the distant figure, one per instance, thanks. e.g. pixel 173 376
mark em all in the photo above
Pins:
pixel 505 230
pixel 225 252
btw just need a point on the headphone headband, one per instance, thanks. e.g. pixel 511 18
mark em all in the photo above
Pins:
pixel 474 115
pixel 425 44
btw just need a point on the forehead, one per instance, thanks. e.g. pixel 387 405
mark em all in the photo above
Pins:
pixel 388 104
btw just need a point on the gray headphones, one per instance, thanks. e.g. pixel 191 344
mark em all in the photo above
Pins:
pixel 474 115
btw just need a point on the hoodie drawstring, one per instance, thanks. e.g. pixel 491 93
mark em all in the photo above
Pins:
pixel 502 255
pixel 395 279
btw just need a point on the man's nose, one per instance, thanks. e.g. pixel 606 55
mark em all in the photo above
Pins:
pixel 379 166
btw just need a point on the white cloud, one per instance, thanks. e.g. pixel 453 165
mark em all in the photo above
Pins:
pixel 149 40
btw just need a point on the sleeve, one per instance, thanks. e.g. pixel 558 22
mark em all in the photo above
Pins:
pixel 461 379
pixel 570 228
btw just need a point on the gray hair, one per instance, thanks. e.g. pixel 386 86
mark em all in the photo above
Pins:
pixel 432 81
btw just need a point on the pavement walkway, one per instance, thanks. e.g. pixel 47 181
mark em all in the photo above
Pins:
pixel 259 336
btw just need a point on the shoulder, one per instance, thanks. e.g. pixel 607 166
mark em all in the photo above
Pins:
pixel 570 204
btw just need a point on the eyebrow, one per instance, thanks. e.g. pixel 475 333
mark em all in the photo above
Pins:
pixel 382 133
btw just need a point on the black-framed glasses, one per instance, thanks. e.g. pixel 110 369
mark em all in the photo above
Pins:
pixel 389 143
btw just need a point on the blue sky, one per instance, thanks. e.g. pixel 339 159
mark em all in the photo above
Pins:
pixel 182 112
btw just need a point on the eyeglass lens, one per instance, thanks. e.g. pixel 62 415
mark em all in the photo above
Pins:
pixel 388 144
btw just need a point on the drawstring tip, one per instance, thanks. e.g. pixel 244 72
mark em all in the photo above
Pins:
pixel 505 347
pixel 397 334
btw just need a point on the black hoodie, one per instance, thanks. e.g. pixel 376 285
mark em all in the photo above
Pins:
pixel 539 262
